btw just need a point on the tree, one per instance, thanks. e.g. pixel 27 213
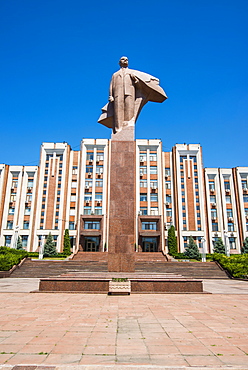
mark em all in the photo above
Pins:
pixel 172 241
pixel 19 243
pixel 219 246
pixel 67 243
pixel 244 248
pixel 49 247
pixel 192 250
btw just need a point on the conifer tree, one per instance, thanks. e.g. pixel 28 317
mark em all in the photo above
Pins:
pixel 244 248
pixel 172 241
pixel 192 251
pixel 19 243
pixel 219 246
pixel 49 247
pixel 67 243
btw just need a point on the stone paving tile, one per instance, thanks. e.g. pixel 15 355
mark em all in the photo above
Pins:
pixel 163 330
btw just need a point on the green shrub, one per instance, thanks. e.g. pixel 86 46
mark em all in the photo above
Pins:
pixel 179 256
pixel 10 257
pixel 219 246
pixel 192 251
pixel 49 247
pixel 236 265
pixel 67 243
pixel 172 241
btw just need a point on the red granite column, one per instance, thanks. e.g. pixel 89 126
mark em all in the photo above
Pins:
pixel 122 207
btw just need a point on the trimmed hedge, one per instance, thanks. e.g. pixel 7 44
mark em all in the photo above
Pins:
pixel 36 255
pixel 236 265
pixel 10 257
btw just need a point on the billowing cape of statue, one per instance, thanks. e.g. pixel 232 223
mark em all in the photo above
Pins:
pixel 147 89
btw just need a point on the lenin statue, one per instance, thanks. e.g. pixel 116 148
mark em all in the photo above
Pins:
pixel 129 91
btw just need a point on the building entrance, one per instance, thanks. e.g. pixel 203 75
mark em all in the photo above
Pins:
pixel 149 244
pixel 91 244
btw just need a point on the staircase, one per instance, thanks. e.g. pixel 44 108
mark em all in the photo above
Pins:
pixel 196 270
pixel 150 263
pixel 42 269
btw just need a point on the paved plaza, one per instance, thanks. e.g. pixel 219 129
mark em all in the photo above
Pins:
pixel 146 331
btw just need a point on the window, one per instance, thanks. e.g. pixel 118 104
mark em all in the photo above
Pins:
pixel 182 157
pixel 59 186
pixel 212 199
pixel 58 199
pixel 56 214
pixel 60 172
pixel 57 221
pixel 24 241
pixel 42 213
pixel 142 157
pixel 60 156
pixel 211 186
pixel 26 225
pixel 7 240
pixel 213 214
pixel 154 197
pixel 72 212
pixel 98 210
pixel 149 225
pixel 42 220
pixel 245 198
pixel 153 157
pixel 73 198
pixel 167 171
pixel 71 225
pixel 143 210
pixel 99 169
pixel 9 225
pixel 13 197
pixel 168 185
pixel 229 213
pixel 27 211
pixel 89 183
pixel 88 197
pixel 47 165
pixel 74 184
pixel 14 183
pixel 95 225
pixel 154 184
pixel 230 226
pixel 99 183
pixel 98 196
pixel 30 183
pixel 143 184
pixel 244 184
pixel 153 170
pixel 90 156
pixel 44 191
pixel 29 198
pixel 214 226
pixel 227 185
pixel 246 211
pixel 232 243
pixel 74 170
pixel 99 156
pixel 228 199
pixel 89 169
pixel 43 206
pixel 154 211
pixel 168 198
pixel 143 170
pixel 60 165
pixel 143 197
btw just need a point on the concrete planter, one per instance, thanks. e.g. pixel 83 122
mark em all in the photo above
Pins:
pixel 120 287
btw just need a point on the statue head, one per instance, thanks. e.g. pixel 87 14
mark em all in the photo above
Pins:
pixel 123 62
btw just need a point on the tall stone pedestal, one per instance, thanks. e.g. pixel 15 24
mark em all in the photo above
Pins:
pixel 122 207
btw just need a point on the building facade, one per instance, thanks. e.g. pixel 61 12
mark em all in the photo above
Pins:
pixel 70 190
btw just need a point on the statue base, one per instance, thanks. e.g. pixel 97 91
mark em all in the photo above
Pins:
pixel 126 134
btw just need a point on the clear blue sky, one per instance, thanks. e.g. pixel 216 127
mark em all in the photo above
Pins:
pixel 57 58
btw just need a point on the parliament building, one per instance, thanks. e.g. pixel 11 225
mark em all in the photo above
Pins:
pixel 71 190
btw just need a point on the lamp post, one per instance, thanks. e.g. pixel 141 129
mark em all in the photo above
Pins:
pixel 14 245
pixel 226 239
pixel 41 249
pixel 203 240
